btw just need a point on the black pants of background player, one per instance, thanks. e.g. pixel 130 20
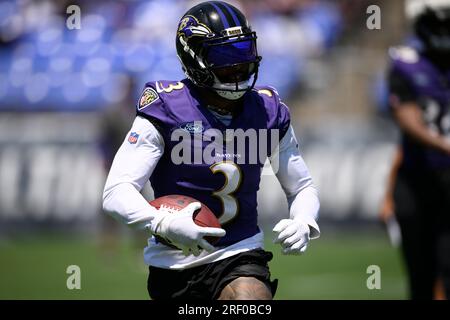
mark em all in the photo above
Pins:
pixel 422 207
pixel 206 282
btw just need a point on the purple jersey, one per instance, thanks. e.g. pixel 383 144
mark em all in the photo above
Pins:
pixel 202 157
pixel 414 78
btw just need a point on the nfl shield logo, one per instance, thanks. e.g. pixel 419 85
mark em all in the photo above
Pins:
pixel 133 138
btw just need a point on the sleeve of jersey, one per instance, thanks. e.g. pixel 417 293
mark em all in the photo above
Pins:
pixel 400 87
pixel 151 106
pixel 133 165
pixel 284 119
pixel 278 112
pixel 296 181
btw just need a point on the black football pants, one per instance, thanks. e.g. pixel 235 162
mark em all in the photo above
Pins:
pixel 422 200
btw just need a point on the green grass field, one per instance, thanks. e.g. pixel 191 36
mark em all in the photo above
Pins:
pixel 334 267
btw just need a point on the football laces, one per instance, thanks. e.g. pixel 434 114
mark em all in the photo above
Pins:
pixel 168 209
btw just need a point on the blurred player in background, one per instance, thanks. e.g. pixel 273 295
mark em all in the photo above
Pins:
pixel 217 50
pixel 419 85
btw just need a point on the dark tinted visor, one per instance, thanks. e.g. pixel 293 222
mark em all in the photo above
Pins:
pixel 231 52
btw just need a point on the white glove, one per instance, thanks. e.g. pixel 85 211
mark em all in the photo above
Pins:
pixel 180 229
pixel 293 236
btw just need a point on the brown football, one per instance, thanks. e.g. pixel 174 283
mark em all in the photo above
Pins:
pixel 203 217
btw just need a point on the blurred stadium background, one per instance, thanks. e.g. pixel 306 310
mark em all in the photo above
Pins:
pixel 67 100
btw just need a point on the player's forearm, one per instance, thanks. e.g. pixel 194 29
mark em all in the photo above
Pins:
pixel 409 119
pixel 398 159
pixel 425 137
pixel 305 206
pixel 132 167
pixel 127 205
pixel 296 181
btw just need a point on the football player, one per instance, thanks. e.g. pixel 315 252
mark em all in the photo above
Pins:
pixel 419 84
pixel 217 50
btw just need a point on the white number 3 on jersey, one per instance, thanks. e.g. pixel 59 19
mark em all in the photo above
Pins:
pixel 233 178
